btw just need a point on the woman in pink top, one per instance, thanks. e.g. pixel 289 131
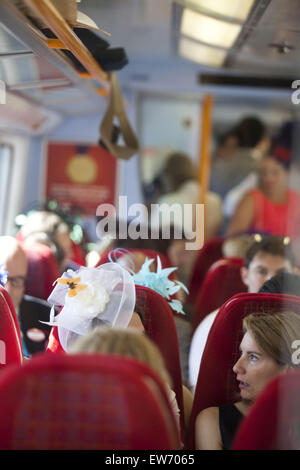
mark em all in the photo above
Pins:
pixel 272 207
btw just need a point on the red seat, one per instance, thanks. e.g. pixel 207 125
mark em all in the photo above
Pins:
pixel 85 402
pixel 77 254
pixel 11 351
pixel 160 327
pixel 216 382
pixel 222 281
pixel 43 270
pixel 274 420
pixel 211 252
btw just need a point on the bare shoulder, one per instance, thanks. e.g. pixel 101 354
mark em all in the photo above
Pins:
pixel 187 405
pixel 207 430
pixel 208 415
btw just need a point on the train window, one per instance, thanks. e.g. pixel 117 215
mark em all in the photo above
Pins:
pixel 6 157
pixel 14 151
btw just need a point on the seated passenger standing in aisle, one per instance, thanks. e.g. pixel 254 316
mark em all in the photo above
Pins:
pixel 266 350
pixel 30 310
pixel 262 261
pixel 272 207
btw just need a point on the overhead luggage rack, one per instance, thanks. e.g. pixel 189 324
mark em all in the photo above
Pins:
pixel 66 38
pixel 37 45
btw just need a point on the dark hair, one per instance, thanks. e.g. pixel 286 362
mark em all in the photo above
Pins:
pixel 140 311
pixel 249 131
pixel 281 149
pixel 282 283
pixel 222 139
pixel 178 169
pixel 273 245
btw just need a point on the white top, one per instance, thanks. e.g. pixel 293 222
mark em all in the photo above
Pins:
pixel 189 193
pixel 197 346
pixel 234 196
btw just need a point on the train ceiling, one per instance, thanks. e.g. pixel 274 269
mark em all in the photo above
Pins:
pixel 266 47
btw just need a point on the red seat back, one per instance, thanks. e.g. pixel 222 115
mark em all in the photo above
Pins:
pixel 160 327
pixel 211 252
pixel 84 402
pixel 216 382
pixel 43 270
pixel 274 420
pixel 222 281
pixel 10 337
pixel 77 254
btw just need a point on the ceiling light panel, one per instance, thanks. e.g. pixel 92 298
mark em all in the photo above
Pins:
pixel 235 9
pixel 209 30
pixel 201 53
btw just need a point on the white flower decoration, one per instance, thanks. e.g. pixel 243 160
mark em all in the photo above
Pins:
pixel 90 302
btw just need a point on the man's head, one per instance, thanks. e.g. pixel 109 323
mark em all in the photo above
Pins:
pixel 49 229
pixel 13 257
pixel 264 260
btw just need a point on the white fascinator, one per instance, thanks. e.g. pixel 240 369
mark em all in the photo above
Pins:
pixel 91 297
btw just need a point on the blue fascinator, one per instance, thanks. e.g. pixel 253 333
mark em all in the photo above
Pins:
pixel 158 281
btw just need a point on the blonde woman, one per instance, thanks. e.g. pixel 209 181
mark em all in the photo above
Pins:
pixel 266 350
pixel 131 343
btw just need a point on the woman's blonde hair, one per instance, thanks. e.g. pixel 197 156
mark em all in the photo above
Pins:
pixel 275 334
pixel 123 342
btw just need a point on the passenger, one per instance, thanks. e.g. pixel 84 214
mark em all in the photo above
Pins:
pixel 134 262
pixel 238 245
pixel 266 350
pixel 179 178
pixel 128 343
pixel 182 258
pixel 227 145
pixel 49 229
pixel 262 261
pixel 91 297
pixel 228 172
pixel 282 283
pixel 272 207
pixel 30 310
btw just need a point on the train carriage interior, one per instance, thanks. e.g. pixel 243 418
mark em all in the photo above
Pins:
pixel 149 149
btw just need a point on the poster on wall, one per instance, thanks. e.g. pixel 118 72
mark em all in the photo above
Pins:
pixel 80 175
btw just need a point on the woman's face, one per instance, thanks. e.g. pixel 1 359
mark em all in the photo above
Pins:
pixel 273 176
pixel 254 369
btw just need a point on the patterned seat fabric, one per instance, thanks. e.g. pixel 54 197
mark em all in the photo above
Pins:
pixel 10 337
pixel 222 281
pixel 43 270
pixel 211 252
pixel 279 403
pixel 85 402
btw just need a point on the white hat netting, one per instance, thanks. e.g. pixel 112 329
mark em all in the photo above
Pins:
pixel 91 297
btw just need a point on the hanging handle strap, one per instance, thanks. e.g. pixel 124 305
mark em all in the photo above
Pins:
pixel 116 108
